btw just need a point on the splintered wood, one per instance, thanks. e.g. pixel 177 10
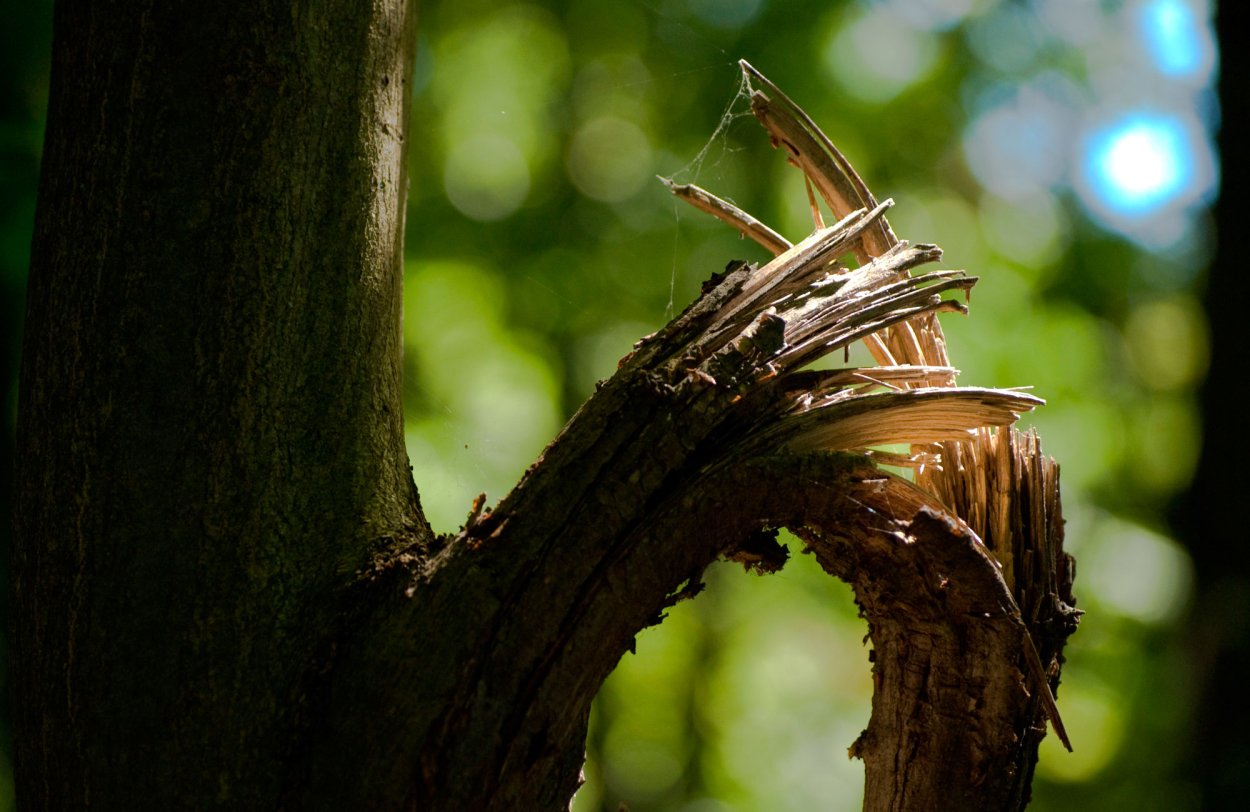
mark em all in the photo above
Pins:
pixel 967 457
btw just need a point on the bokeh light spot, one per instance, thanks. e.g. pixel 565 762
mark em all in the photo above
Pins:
pixel 1139 164
pixel 1166 463
pixel 1096 724
pixel 1136 573
pixel 610 159
pixel 1008 38
pixel 878 54
pixel 494 76
pixel 489 392
pixel 1167 343
pixel 1141 173
pixel 486 177
pixel 1018 143
pixel 1177 40
pixel 1031 231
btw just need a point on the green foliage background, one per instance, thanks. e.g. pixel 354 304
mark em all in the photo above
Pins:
pixel 540 248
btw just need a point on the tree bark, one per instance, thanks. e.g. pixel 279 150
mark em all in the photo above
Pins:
pixel 226 594
pixel 210 421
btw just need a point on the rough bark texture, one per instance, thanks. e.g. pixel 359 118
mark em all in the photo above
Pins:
pixel 210 424
pixel 226 594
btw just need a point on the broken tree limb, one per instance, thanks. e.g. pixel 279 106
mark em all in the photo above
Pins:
pixel 712 433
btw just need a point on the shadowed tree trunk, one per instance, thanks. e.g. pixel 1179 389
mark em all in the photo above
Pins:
pixel 226 592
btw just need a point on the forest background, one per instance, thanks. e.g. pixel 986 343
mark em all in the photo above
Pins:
pixel 1064 152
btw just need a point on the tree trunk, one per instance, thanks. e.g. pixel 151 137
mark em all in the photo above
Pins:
pixel 226 593
pixel 210 421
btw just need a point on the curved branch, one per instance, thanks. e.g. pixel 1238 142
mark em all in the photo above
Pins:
pixel 690 452
pixel 512 627
pixel 956 721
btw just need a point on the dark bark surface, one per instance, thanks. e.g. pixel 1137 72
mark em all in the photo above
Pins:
pixel 226 594
pixel 210 424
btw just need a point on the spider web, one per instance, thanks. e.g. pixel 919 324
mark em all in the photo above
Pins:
pixel 737 108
